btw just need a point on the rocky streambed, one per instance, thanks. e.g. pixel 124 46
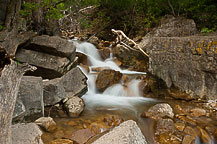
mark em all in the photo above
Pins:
pixel 94 94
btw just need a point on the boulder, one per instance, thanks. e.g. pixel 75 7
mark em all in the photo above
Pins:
pixel 186 64
pixel 132 59
pixel 107 78
pixel 26 134
pixel 54 91
pixel 30 97
pixel 105 53
pixel 165 126
pixel 47 123
pixel 126 133
pixel 74 106
pixel 94 40
pixel 160 111
pixel 48 66
pixel 53 45
pixel 74 82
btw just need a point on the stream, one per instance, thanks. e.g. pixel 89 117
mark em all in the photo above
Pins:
pixel 119 102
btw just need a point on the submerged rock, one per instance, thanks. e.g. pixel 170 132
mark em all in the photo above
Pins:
pixel 30 98
pixel 82 136
pixel 197 112
pixel 159 111
pixel 74 106
pixel 61 141
pixel 26 134
pixel 107 78
pixel 47 123
pixel 126 133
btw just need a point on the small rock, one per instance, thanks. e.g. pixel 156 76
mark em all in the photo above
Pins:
pixel 204 135
pixel 197 112
pixel 165 126
pixel 94 40
pixel 191 131
pixel 26 134
pixel 74 106
pixel 61 141
pixel 82 136
pixel 187 119
pixel 105 53
pixel 98 127
pixel 188 139
pixel 159 111
pixel 107 78
pixel 47 123
pixel 180 126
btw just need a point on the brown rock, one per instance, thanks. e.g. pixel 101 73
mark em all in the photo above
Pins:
pixel 47 123
pixel 107 78
pixel 165 126
pixel 191 131
pixel 180 126
pixel 105 53
pixel 61 141
pixel 188 139
pixel 215 134
pixel 204 135
pixel 187 119
pixel 82 136
pixel 98 128
pixel 197 112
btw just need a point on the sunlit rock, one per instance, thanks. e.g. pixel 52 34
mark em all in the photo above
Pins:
pixel 197 112
pixel 128 133
pixel 107 78
pixel 47 123
pixel 74 106
pixel 82 136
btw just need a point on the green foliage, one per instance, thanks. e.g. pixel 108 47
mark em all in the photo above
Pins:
pixel 206 30
pixel 1 27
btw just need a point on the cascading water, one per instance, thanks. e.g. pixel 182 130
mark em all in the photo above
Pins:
pixel 118 95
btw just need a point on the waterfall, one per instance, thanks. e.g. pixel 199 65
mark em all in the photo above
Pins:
pixel 118 95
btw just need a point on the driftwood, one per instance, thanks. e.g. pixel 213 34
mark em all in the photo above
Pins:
pixel 9 85
pixel 127 42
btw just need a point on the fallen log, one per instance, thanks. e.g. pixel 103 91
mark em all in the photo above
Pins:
pixel 125 41
pixel 9 86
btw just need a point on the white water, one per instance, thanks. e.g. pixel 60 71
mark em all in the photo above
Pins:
pixel 115 96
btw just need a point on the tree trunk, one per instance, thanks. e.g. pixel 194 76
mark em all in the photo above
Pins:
pixel 9 87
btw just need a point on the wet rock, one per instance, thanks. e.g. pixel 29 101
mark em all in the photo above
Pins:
pixel 74 106
pixel 191 131
pixel 175 60
pixel 165 126
pixel 82 136
pixel 133 60
pixel 204 135
pixel 105 53
pixel 107 78
pixel 48 66
pixel 47 123
pixel 94 40
pixel 98 127
pixel 74 82
pixel 188 139
pixel 61 141
pixel 197 112
pixel 159 111
pixel 180 126
pixel 26 134
pixel 128 133
pixel 53 91
pixel 187 119
pixel 30 98
pixel 53 45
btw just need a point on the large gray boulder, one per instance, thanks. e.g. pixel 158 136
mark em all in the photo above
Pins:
pixel 54 91
pixel 26 134
pixel 48 66
pixel 30 98
pixel 186 63
pixel 53 45
pixel 126 133
pixel 74 82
